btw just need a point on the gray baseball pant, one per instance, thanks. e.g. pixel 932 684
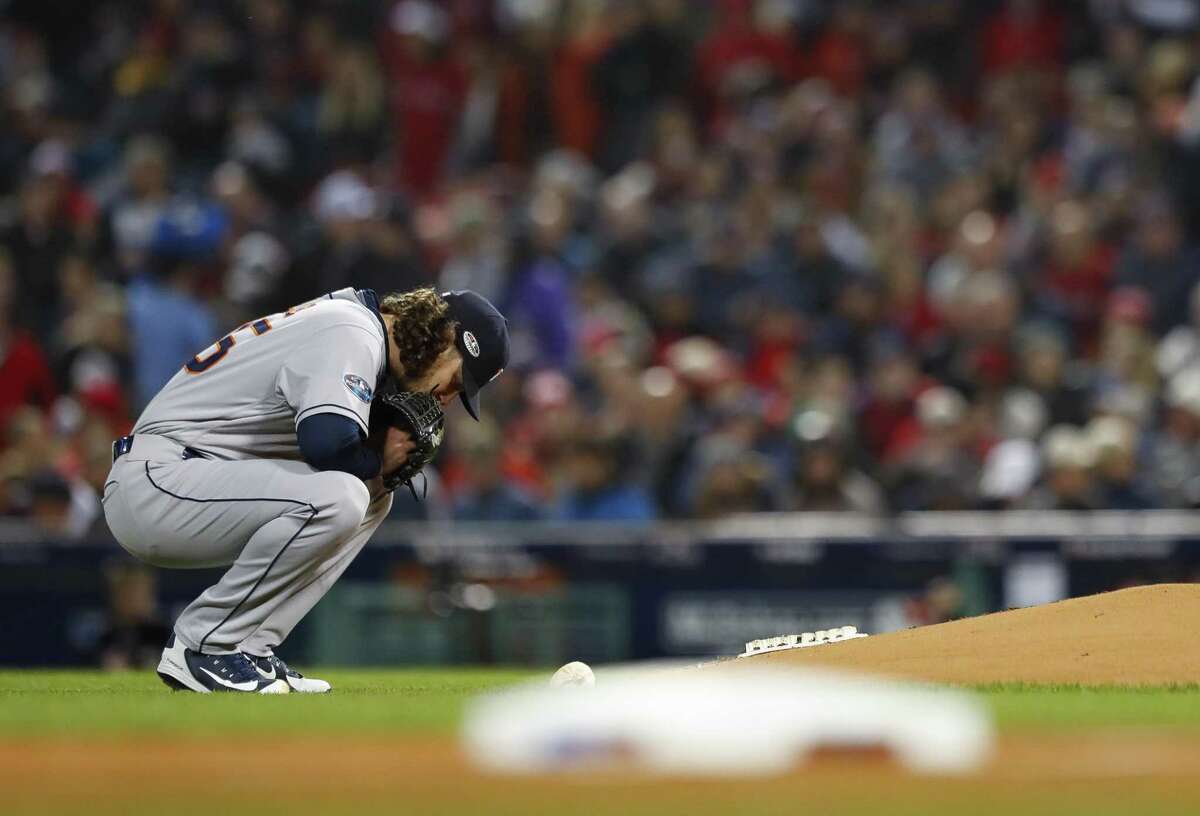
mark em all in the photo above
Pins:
pixel 287 531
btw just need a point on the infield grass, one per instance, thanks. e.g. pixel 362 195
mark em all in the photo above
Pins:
pixel 375 703
pixel 415 701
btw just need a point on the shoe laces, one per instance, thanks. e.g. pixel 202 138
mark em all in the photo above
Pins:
pixel 236 667
pixel 278 663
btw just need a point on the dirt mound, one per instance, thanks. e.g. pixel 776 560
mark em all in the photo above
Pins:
pixel 1140 636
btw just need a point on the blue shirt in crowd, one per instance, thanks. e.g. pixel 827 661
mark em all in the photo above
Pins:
pixel 168 327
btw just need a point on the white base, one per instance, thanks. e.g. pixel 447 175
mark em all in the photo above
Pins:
pixel 764 718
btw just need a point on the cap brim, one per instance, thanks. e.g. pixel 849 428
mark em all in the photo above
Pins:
pixel 470 394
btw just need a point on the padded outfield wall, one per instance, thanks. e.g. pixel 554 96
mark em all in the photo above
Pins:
pixel 541 594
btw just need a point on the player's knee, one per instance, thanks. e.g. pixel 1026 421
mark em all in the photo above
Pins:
pixel 345 501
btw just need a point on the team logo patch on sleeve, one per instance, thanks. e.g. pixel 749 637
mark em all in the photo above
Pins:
pixel 358 387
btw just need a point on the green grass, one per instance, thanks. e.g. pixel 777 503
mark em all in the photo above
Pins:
pixel 384 702
pixel 1023 707
pixel 381 702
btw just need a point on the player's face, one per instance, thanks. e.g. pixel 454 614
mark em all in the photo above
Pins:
pixel 444 377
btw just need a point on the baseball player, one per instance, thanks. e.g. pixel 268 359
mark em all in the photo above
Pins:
pixel 258 455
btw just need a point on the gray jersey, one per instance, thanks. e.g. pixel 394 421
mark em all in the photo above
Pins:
pixel 243 397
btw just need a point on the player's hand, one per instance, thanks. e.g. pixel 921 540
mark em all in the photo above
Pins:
pixel 397 444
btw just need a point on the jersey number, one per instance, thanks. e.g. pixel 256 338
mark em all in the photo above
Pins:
pixel 216 352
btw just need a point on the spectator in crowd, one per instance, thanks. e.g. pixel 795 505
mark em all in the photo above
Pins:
pixel 90 349
pixel 1023 34
pixel 429 85
pixel 50 508
pixel 936 470
pixel 343 207
pixel 918 144
pixel 169 323
pixel 352 108
pixel 1069 482
pixel 1046 369
pixel 35 245
pixel 1126 355
pixel 886 417
pixel 130 219
pixel 1119 486
pixel 646 61
pixel 824 479
pixel 25 376
pixel 1072 280
pixel 704 221
pixel 1180 348
pixel 742 485
pixel 1175 453
pixel 539 299
pixel 477 247
pixel 486 493
pixel 1008 474
pixel 1158 261
pixel 596 487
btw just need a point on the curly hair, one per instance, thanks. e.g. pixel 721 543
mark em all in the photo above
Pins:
pixel 423 329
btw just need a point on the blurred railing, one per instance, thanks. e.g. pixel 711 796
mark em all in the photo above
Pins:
pixel 538 593
pixel 808 526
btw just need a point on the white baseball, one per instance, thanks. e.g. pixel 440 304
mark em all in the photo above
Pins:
pixel 574 673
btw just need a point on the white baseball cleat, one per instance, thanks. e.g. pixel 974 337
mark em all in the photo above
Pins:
pixel 184 669
pixel 272 667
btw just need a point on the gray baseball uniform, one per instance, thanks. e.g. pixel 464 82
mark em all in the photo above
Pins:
pixel 214 475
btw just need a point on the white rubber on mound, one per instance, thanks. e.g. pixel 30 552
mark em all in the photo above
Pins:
pixel 801 641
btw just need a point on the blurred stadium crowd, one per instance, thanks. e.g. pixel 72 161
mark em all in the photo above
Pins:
pixel 756 254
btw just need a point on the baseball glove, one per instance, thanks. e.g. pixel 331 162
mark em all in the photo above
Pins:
pixel 418 413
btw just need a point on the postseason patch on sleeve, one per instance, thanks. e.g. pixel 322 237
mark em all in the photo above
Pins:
pixel 358 387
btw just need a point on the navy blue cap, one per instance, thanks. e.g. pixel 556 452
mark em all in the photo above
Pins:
pixel 482 339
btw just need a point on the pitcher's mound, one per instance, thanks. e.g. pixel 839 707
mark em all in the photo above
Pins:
pixel 1141 636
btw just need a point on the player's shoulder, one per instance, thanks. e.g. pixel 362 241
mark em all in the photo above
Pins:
pixel 332 313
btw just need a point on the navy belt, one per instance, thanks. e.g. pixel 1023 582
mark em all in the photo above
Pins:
pixel 122 446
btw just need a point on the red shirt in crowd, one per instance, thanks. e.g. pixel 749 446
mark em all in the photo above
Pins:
pixel 841 58
pixel 427 99
pixel 1082 290
pixel 577 114
pixel 1012 40
pixel 25 378
pixel 736 46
